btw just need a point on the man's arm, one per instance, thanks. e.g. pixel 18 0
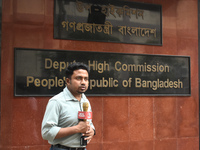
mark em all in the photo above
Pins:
pixel 82 127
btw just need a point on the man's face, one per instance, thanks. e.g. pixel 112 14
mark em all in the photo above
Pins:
pixel 79 82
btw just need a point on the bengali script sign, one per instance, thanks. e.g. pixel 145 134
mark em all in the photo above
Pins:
pixel 113 21
pixel 42 73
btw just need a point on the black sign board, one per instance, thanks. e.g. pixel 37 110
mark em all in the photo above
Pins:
pixel 42 73
pixel 108 21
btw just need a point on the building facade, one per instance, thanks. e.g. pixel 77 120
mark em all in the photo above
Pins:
pixel 122 122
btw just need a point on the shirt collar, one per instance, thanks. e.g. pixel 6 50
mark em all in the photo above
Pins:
pixel 68 95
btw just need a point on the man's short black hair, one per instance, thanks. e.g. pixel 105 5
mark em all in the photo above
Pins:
pixel 75 66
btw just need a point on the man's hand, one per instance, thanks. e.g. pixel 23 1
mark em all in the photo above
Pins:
pixel 83 127
pixel 89 133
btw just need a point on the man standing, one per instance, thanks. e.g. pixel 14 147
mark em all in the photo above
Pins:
pixel 60 125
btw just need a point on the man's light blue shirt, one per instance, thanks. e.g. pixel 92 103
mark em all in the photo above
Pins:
pixel 62 111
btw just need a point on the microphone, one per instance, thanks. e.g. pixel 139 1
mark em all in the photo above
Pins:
pixel 83 115
pixel 85 108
